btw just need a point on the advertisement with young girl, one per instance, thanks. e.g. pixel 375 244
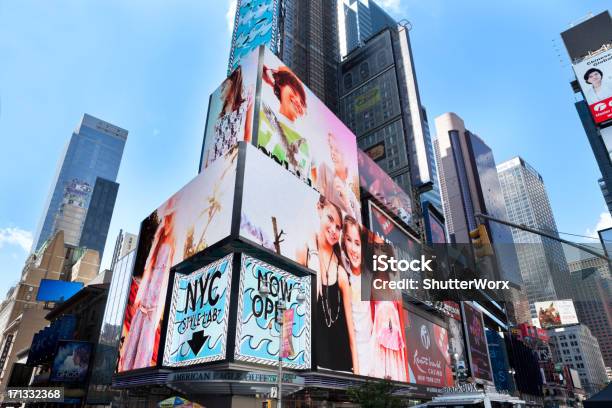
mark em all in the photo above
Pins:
pixel 351 330
pixel 299 131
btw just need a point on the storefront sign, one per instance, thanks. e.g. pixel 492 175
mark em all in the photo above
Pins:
pixel 258 333
pixel 197 329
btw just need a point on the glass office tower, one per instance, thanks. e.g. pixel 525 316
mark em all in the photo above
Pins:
pixel 94 150
pixel 541 260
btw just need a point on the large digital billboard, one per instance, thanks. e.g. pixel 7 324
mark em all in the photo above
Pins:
pixel 257 331
pixel 71 362
pixel 300 132
pixel 376 182
pixel 194 218
pixel 230 111
pixel 556 313
pixel 350 331
pixel 434 225
pixel 53 290
pixel 480 364
pixel 255 24
pixel 198 317
pixel 594 75
pixel 428 360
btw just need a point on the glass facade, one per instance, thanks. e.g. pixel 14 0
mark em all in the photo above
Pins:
pixel 599 150
pixel 370 105
pixel 361 20
pixel 99 214
pixel 94 150
pixel 542 261
pixel 492 203
pixel 105 359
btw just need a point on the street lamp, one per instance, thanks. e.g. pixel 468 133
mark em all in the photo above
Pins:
pixel 281 306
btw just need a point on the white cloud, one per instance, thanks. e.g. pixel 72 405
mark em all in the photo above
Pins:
pixel 16 236
pixel 605 221
pixel 389 5
pixel 229 16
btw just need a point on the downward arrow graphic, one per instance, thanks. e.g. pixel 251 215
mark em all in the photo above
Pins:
pixel 197 341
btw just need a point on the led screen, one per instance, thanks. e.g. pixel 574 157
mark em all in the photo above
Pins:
pixel 258 332
pixel 53 290
pixel 194 218
pixel 480 365
pixel 376 182
pixel 434 227
pixel 300 132
pixel 256 23
pixel 71 362
pixel 197 323
pixel 315 233
pixel 428 360
pixel 594 75
pixel 230 111
pixel 556 313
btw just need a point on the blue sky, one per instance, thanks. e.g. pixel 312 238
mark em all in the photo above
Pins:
pixel 149 66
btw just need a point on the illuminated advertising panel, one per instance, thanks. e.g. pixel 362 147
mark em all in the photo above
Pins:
pixel 299 131
pixel 198 317
pixel 376 182
pixel 434 226
pixel 556 313
pixel 499 361
pixel 53 290
pixel 315 233
pixel 257 331
pixel 594 75
pixel 256 23
pixel 480 365
pixel 194 218
pixel 230 111
pixel 71 362
pixel 428 360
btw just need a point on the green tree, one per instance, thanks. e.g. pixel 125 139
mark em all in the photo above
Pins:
pixel 375 394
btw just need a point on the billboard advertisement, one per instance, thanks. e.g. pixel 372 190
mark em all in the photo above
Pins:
pixel 198 317
pixel 71 362
pixel 480 364
pixel 594 75
pixel 256 23
pixel 197 216
pixel 53 290
pixel 434 226
pixel 230 111
pixel 300 132
pixel 350 331
pixel 257 332
pixel 428 360
pixel 376 182
pixel 45 341
pixel 499 361
pixel 556 313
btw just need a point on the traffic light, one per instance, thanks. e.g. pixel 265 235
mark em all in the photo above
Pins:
pixel 266 404
pixel 481 242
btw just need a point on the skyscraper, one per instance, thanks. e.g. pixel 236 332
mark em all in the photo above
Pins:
pixel 591 288
pixel 99 214
pixel 94 150
pixel 303 34
pixel 576 346
pixel 469 185
pixel 379 101
pixel 589 46
pixel 541 260
pixel 358 20
pixel 380 98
